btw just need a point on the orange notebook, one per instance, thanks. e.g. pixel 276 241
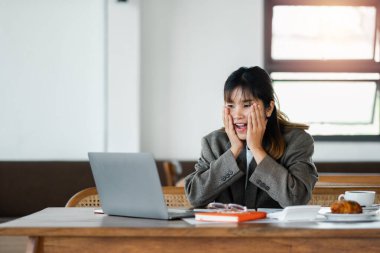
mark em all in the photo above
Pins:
pixel 229 216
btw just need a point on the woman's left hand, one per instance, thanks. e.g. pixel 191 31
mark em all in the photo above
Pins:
pixel 256 126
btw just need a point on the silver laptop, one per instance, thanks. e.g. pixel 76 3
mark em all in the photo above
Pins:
pixel 128 184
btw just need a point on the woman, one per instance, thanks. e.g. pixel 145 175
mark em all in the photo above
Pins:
pixel 259 159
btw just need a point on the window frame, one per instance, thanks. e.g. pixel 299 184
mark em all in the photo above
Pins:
pixel 357 66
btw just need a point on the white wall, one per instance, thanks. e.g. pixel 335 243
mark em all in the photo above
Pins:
pixel 123 72
pixel 188 50
pixel 70 76
pixel 51 79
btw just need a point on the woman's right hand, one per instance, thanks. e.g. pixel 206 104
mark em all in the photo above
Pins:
pixel 236 144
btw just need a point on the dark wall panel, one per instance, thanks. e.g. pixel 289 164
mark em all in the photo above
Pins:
pixel 27 187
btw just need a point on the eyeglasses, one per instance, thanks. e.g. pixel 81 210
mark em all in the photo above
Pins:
pixel 227 207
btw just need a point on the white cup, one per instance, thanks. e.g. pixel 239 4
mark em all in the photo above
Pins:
pixel 364 198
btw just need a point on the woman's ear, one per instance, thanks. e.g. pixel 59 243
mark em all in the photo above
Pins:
pixel 269 109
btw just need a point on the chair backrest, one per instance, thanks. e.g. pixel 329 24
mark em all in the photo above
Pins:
pixel 325 193
pixel 85 198
pixel 174 197
pixel 328 199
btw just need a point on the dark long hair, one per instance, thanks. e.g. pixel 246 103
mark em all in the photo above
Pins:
pixel 256 82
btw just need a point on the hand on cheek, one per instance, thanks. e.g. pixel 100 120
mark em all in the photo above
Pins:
pixel 236 143
pixel 255 132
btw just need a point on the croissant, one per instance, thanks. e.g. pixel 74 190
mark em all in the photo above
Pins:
pixel 346 206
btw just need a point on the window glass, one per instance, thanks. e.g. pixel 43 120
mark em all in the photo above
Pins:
pixel 331 107
pixel 323 32
pixel 324 76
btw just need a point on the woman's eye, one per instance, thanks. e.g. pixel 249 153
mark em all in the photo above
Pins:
pixel 247 105
pixel 230 106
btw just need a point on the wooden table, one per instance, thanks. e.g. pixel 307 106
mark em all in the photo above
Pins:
pixel 80 230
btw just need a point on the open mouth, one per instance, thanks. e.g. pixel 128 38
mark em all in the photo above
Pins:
pixel 240 127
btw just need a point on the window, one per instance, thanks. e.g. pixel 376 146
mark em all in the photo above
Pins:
pixel 324 55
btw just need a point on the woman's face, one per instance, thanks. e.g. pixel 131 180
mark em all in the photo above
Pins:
pixel 239 108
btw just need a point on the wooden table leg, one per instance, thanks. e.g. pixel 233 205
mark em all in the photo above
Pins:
pixel 32 246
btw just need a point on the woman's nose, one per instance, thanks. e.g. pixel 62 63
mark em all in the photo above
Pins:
pixel 239 112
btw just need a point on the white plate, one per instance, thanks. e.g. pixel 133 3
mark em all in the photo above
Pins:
pixel 350 217
pixel 371 208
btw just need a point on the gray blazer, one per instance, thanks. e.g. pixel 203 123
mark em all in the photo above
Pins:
pixel 273 183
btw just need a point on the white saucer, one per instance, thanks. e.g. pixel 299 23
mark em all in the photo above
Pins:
pixel 371 208
pixel 337 217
